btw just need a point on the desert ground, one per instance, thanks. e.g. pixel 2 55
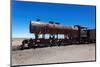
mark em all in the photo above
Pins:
pixel 69 53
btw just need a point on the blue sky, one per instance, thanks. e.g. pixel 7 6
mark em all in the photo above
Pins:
pixel 66 14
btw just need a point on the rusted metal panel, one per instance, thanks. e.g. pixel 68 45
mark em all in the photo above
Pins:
pixel 40 28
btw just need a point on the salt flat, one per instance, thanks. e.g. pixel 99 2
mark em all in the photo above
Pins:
pixel 70 53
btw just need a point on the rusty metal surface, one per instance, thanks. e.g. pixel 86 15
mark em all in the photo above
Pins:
pixel 47 28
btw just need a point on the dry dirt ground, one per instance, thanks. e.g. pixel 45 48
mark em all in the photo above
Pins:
pixel 70 53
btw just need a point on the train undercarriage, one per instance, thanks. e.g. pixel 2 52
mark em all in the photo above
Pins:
pixel 40 43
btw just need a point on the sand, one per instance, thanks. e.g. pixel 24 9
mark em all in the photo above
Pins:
pixel 70 53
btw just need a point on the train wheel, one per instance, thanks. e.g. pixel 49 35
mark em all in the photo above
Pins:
pixel 51 45
pixel 21 47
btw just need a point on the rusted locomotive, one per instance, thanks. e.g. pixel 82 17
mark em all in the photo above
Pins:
pixel 71 35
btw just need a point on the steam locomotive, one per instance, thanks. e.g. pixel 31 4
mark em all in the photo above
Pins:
pixel 71 35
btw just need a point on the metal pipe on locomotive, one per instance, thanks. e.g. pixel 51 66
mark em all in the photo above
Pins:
pixel 72 35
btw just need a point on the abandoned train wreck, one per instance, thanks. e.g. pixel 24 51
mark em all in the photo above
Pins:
pixel 71 35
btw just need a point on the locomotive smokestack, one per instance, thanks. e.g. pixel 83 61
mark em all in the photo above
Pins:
pixel 38 20
pixel 30 29
pixel 57 23
pixel 51 22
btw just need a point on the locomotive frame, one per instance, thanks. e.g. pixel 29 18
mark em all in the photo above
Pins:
pixel 82 35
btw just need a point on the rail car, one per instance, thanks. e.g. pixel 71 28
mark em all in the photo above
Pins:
pixel 72 35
